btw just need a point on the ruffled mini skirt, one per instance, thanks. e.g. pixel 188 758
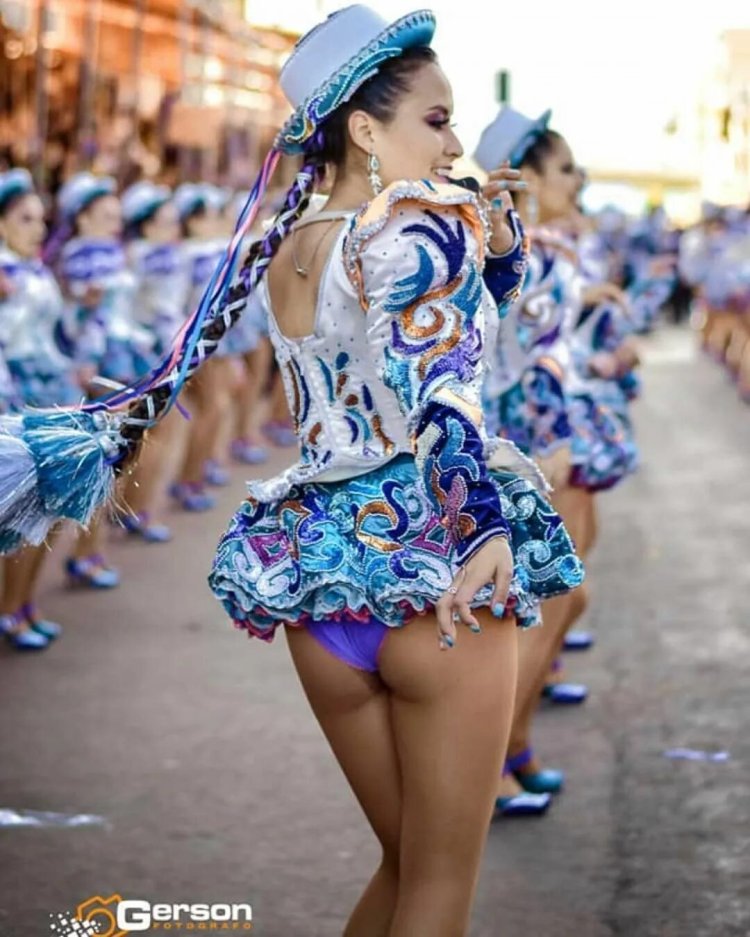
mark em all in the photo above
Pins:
pixel 373 547
pixel 603 449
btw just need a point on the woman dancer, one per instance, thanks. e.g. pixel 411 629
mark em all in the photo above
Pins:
pixel 556 398
pixel 154 254
pixel 31 313
pixel 211 393
pixel 401 520
pixel 103 334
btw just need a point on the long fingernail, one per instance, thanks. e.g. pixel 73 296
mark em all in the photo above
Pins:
pixel 522 185
pixel 475 628
pixel 446 640
pixel 498 610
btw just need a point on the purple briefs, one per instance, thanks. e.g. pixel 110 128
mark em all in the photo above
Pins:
pixel 356 643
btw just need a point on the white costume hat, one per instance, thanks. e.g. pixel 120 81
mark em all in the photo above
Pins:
pixel 81 190
pixel 334 59
pixel 509 137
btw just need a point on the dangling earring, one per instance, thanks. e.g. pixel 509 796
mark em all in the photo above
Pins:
pixel 373 165
pixel 532 208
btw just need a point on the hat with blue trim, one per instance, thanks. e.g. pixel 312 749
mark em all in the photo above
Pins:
pixel 142 199
pixel 190 196
pixel 337 57
pixel 14 182
pixel 81 190
pixel 509 137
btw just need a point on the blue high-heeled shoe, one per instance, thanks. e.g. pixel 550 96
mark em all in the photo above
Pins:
pixel 523 805
pixel 191 497
pixel 566 694
pixel 547 781
pixel 43 626
pixel 214 473
pixel 91 572
pixel 20 636
pixel 578 641
pixel 140 526
pixel 248 452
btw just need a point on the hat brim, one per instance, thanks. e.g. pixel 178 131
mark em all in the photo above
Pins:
pixel 14 189
pixel 105 186
pixel 148 209
pixel 408 32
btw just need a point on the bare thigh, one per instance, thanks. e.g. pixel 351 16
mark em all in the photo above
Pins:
pixel 353 710
pixel 451 718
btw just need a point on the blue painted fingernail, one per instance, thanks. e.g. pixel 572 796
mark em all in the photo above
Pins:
pixel 498 610
pixel 496 204
pixel 475 628
pixel 448 640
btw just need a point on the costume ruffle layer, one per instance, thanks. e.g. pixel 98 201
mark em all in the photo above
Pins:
pixel 603 447
pixel 373 546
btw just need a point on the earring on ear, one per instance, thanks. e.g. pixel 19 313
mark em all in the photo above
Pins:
pixel 373 166
pixel 532 208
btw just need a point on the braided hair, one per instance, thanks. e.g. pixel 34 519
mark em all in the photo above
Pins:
pixel 379 96
pixel 149 407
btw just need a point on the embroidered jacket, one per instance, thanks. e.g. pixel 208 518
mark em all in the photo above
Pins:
pixel 398 355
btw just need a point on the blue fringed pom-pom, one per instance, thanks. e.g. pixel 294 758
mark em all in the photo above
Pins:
pixel 73 453
pixel 22 515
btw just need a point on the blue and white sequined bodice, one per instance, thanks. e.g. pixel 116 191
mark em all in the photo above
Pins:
pixel 405 321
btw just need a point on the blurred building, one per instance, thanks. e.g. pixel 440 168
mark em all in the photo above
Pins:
pixel 166 88
pixel 723 124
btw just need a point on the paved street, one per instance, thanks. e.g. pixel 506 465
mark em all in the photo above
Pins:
pixel 197 747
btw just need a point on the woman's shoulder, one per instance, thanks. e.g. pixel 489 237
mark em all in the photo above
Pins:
pixel 416 217
pixel 408 197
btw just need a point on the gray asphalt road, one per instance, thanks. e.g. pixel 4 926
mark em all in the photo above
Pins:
pixel 196 745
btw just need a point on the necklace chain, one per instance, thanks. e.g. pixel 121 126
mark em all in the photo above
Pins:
pixel 315 219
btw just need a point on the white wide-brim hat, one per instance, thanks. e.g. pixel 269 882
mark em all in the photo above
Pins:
pixel 81 190
pixel 142 199
pixel 509 137
pixel 337 57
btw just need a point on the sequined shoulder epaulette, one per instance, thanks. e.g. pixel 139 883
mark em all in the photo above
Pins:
pixel 423 195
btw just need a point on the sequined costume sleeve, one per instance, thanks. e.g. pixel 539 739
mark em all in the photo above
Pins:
pixel 504 273
pixel 416 256
pixel 551 281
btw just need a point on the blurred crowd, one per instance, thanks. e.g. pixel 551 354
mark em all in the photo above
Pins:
pixel 90 300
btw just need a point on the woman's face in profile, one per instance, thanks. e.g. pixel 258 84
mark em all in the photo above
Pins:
pixel 419 142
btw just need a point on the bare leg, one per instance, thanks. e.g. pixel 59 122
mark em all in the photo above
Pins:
pixel 353 709
pixel 421 748
pixel 156 465
pixel 250 404
pixel 211 398
pixel 90 542
pixel 538 647
pixel 451 718
pixel 19 573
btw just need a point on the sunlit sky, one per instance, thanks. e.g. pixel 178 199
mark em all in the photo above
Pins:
pixel 613 73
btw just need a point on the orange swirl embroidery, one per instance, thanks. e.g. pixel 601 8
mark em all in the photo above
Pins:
pixel 377 428
pixel 376 509
pixel 314 433
pixel 553 366
pixel 441 348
